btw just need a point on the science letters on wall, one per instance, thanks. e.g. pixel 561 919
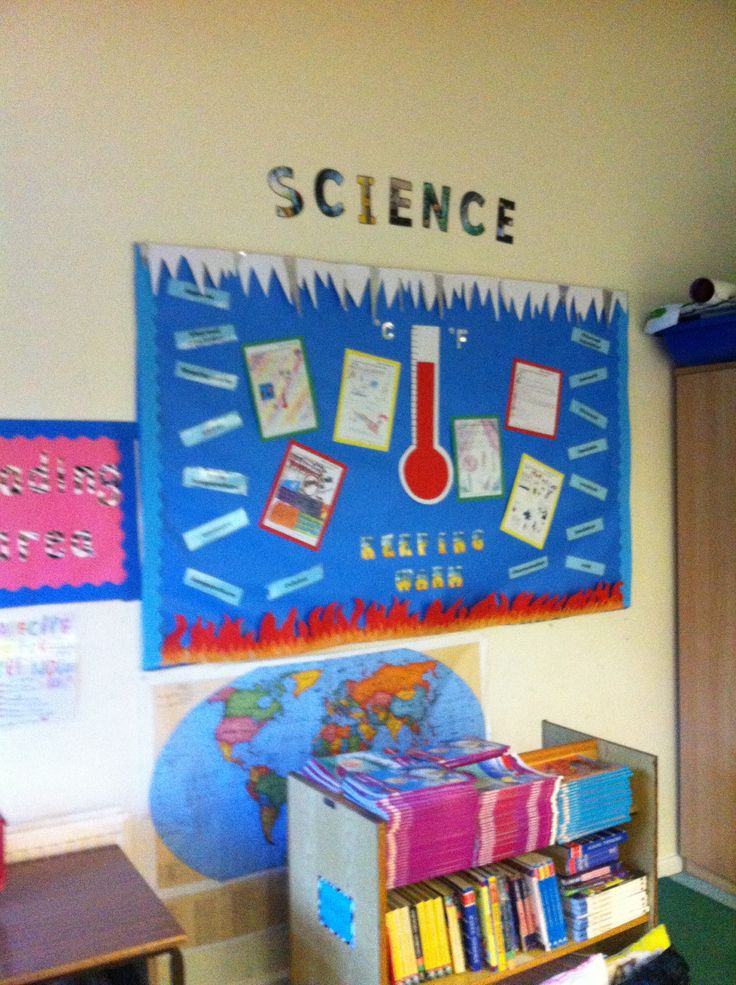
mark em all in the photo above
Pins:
pixel 333 453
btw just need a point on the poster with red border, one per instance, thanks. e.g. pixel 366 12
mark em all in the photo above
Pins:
pixel 303 496
pixel 535 393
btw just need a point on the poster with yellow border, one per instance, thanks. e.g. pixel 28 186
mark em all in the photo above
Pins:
pixel 533 501
pixel 367 402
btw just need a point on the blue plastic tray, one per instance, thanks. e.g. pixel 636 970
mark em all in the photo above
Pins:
pixel 699 341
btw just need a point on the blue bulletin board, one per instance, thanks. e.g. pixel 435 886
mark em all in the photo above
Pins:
pixel 334 453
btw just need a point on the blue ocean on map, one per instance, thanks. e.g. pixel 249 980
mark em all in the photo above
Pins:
pixel 218 791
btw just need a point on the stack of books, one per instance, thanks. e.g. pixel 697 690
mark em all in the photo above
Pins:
pixel 589 853
pixel 430 807
pixel 598 906
pixel 593 794
pixel 517 807
pixel 598 892
pixel 448 805
pixel 330 771
pixel 430 815
pixel 455 752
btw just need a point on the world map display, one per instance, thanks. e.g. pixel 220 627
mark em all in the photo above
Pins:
pixel 218 791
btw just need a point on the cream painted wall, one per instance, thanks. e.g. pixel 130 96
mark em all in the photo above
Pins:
pixel 612 125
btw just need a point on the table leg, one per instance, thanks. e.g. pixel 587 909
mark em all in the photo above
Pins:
pixel 176 967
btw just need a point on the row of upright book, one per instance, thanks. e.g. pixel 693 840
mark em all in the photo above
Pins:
pixel 471 802
pixel 474 919
pixel 484 917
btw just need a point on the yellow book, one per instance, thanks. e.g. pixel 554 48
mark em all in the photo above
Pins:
pixel 442 926
pixel 407 942
pixel 430 916
pixel 443 941
pixel 651 944
pixel 394 947
pixel 451 922
pixel 422 908
pixel 455 934
pixel 406 897
pixel 486 919
pixel 497 922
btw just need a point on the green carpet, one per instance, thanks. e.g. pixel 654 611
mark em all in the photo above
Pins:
pixel 703 931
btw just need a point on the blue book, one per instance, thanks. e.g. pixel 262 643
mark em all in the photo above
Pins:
pixel 510 934
pixel 540 868
pixel 590 851
pixel 592 877
pixel 464 893
pixel 531 869
pixel 554 930
pixel 602 857
pixel 556 907
pixel 514 881
pixel 610 836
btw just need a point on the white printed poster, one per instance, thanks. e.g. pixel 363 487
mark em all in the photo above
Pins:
pixel 534 399
pixel 38 669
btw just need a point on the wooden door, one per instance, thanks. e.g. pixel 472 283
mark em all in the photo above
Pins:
pixel 706 573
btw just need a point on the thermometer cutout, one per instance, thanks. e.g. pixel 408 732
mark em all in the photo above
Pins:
pixel 425 468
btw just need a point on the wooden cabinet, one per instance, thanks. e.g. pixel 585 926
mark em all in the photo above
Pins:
pixel 706 594
pixel 333 839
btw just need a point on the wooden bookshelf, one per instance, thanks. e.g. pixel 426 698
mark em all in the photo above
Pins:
pixel 332 839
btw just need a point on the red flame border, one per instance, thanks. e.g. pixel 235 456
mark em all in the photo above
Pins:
pixel 327 626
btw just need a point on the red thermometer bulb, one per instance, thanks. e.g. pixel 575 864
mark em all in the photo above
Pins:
pixel 425 468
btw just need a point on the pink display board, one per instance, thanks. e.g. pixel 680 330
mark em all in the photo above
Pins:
pixel 67 512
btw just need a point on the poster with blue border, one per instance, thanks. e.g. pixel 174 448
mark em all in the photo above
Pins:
pixel 334 453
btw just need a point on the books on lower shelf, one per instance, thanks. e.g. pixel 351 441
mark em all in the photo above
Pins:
pixel 598 892
pixel 581 856
pixel 480 917
pixel 485 916
pixel 607 903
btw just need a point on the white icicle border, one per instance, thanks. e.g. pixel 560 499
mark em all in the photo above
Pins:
pixel 352 280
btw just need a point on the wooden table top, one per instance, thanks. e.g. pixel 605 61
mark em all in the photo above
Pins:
pixel 82 910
